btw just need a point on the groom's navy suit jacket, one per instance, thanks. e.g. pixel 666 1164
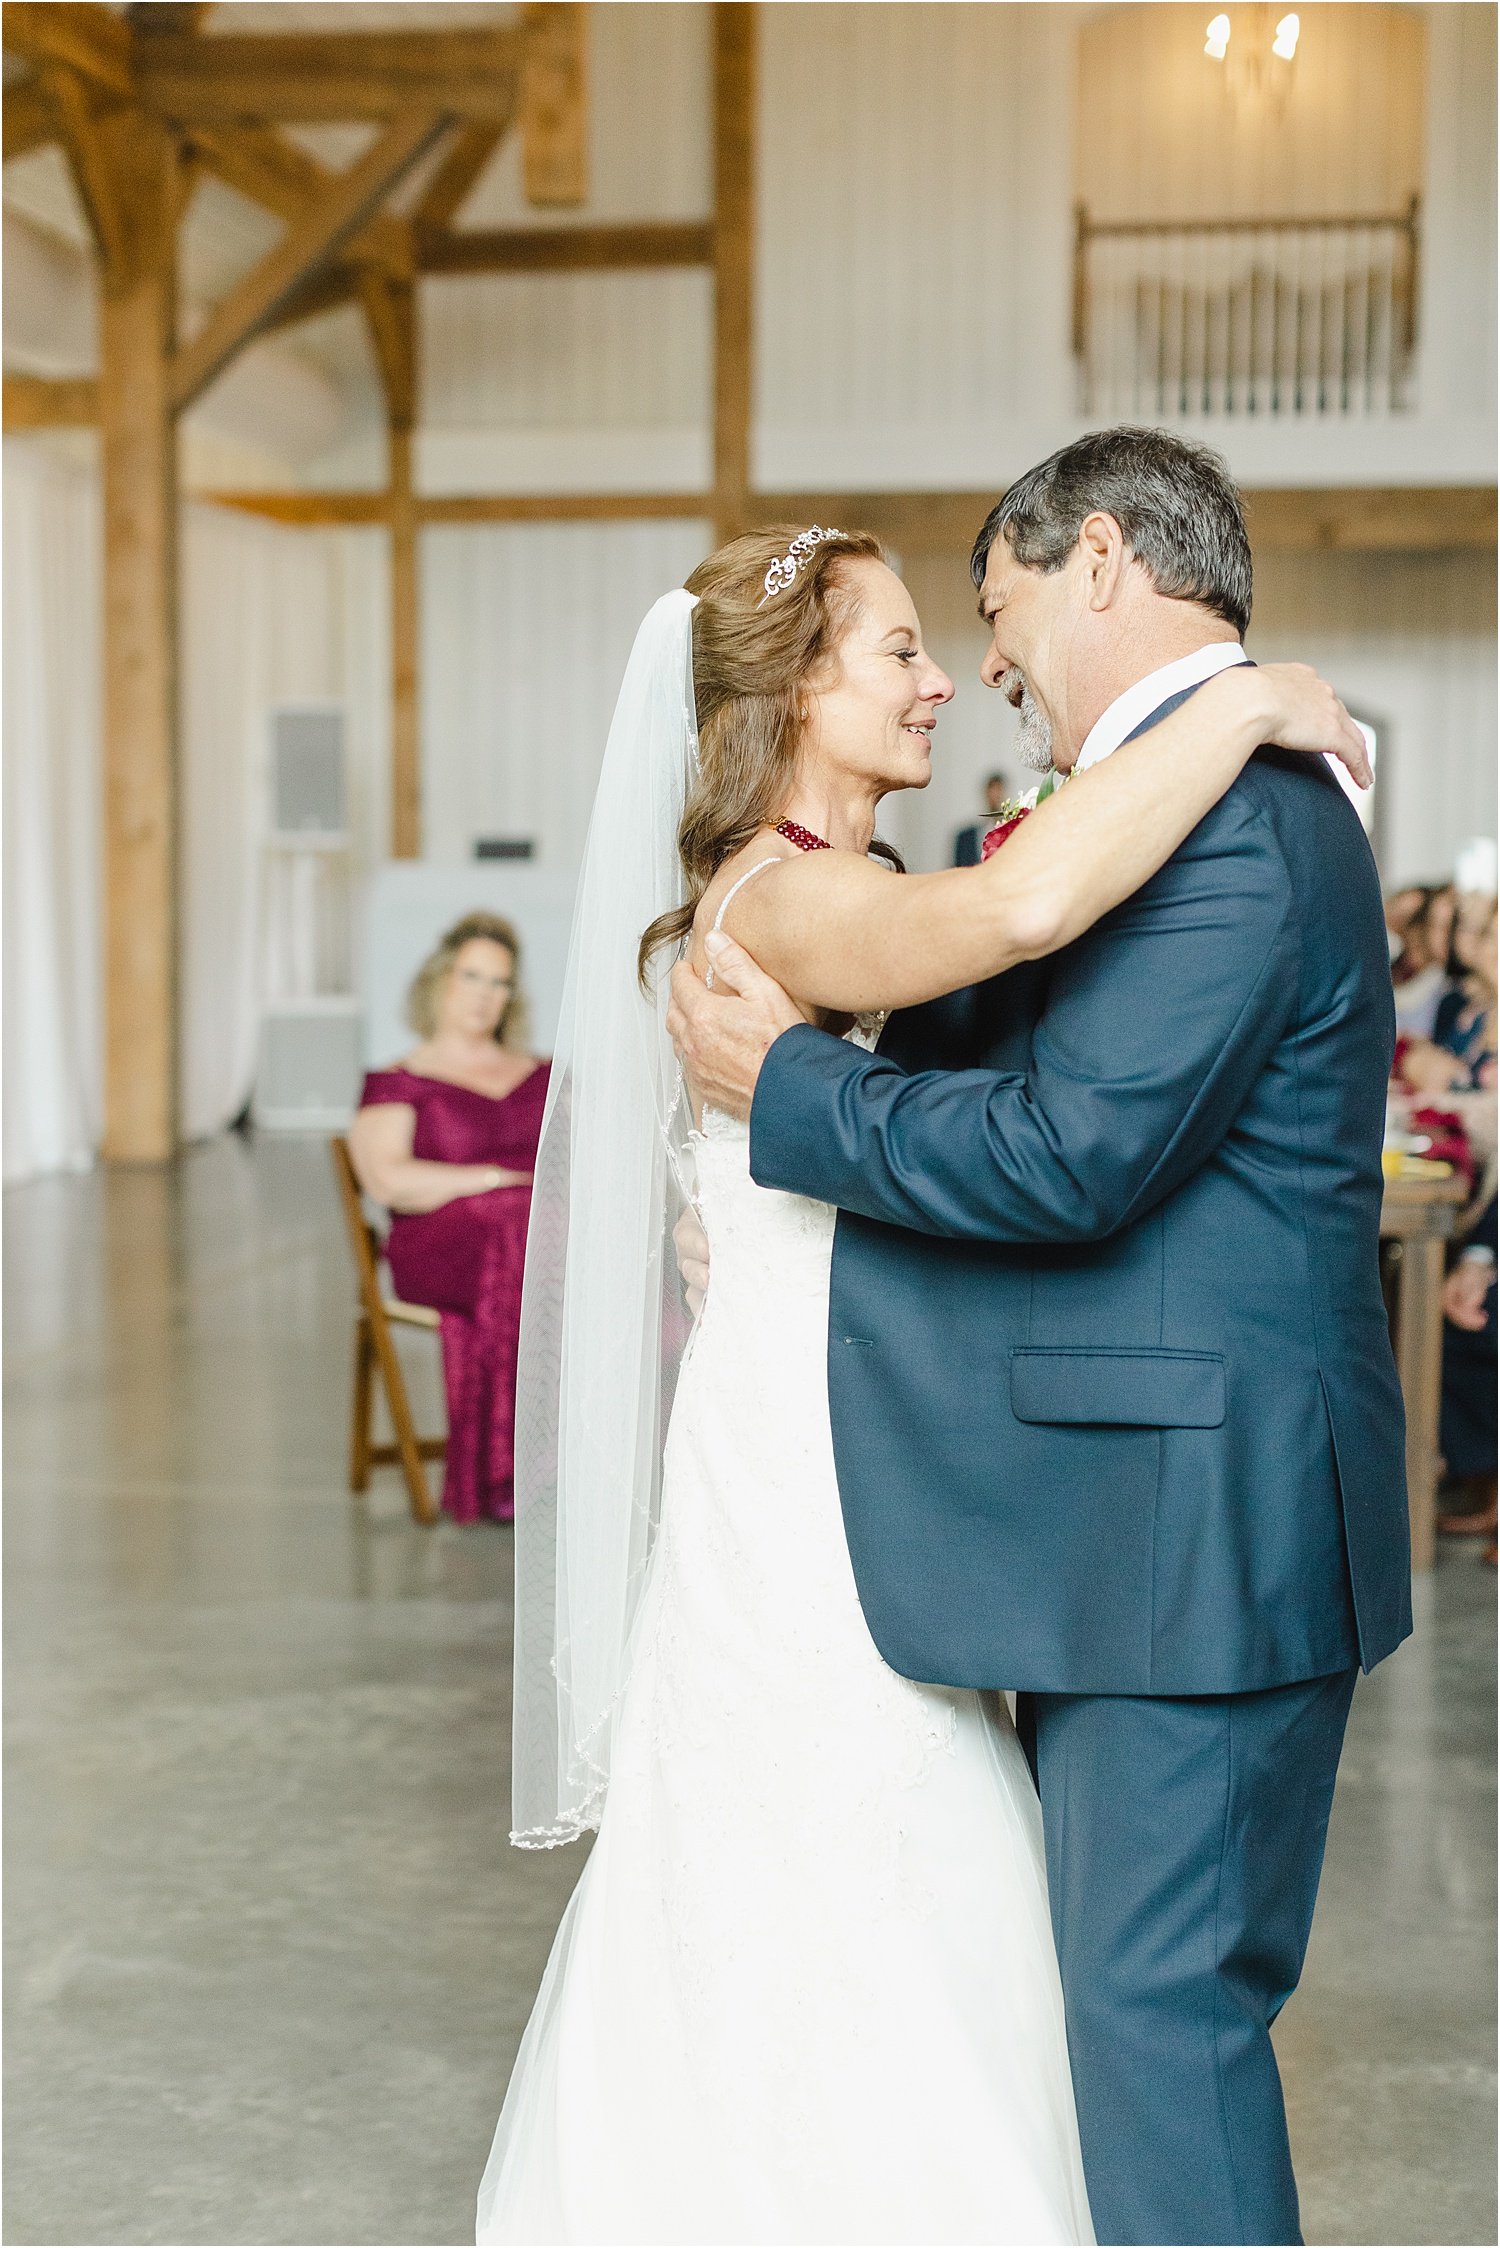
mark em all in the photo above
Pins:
pixel 1114 1406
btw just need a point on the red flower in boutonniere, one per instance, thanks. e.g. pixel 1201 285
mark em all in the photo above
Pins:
pixel 1012 812
pixel 1003 829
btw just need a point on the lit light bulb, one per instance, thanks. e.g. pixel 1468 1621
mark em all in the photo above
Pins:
pixel 1217 42
pixel 1285 41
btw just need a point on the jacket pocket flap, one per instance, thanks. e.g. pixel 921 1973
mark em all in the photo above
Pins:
pixel 1123 1388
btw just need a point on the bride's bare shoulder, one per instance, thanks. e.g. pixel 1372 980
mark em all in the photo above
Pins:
pixel 763 846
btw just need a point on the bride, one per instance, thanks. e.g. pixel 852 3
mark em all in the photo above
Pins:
pixel 805 1990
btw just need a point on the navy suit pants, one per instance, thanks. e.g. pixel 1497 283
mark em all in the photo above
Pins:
pixel 1184 1845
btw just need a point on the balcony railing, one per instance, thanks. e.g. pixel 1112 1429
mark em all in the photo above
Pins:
pixel 1284 317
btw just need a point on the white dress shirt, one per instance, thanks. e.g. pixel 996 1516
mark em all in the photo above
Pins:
pixel 1127 711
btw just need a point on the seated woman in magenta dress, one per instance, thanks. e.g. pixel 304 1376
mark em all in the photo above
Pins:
pixel 447 1141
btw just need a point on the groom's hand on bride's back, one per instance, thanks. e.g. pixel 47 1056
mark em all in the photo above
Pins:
pixel 691 1245
pixel 722 1036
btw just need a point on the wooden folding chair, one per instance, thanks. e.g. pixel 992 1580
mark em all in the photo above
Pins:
pixel 375 1349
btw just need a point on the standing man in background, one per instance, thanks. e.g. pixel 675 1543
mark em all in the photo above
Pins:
pixel 967 842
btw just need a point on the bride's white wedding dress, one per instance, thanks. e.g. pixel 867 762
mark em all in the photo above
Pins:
pixel 805 1991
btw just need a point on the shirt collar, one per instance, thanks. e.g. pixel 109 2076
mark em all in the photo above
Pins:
pixel 1127 711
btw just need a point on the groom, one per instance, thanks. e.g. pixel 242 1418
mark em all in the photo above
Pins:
pixel 1114 1409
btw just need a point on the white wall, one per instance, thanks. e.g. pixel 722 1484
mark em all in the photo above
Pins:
pixel 914 264
pixel 916 230
pixel 526 629
pixel 916 252
pixel 587 382
pixel 561 382
pixel 260 617
pixel 1409 641
pixel 1166 132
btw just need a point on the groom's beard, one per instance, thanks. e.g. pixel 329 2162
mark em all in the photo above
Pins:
pixel 1033 743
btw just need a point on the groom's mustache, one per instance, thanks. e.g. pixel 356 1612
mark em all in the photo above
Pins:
pixel 1034 734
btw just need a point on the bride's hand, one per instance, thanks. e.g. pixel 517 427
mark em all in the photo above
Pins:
pixel 1306 714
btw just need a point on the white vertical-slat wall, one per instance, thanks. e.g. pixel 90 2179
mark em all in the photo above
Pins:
pixel 587 382
pixel 526 632
pixel 1409 641
pixel 915 241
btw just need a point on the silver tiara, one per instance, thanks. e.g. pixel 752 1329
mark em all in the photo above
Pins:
pixel 783 573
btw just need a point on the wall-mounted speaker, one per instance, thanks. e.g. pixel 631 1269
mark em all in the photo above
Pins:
pixel 310 1068
pixel 307 770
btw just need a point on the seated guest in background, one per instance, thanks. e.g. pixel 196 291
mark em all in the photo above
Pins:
pixel 1465 1025
pixel 1459 1055
pixel 447 1141
pixel 1451 1076
pixel 1401 909
pixel 1469 1382
pixel 1422 971
pixel 967 842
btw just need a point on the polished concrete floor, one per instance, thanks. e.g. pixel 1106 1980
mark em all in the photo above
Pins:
pixel 268 1953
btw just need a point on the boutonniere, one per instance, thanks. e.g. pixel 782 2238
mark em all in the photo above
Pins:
pixel 1014 810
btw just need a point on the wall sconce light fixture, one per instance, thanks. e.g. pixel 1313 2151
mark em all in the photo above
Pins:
pixel 1252 73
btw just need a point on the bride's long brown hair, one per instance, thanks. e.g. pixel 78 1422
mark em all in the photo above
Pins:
pixel 751 659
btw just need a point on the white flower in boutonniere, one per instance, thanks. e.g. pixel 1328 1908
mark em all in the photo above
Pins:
pixel 1014 810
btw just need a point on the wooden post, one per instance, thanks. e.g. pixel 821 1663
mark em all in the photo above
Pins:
pixel 735 29
pixel 406 739
pixel 137 317
pixel 554 105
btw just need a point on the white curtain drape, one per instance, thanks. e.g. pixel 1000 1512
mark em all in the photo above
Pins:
pixel 260 626
pixel 52 1031
pixel 269 615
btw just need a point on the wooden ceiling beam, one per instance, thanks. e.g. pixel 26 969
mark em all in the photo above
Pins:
pixel 457 176
pixel 1349 519
pixel 391 317
pixel 98 191
pixel 1366 519
pixel 328 290
pixel 156 19
pixel 319 78
pixel 554 106
pixel 42 402
pixel 77 33
pixel 31 119
pixel 912 522
pixel 306 510
pixel 1431 518
pixel 564 507
pixel 564 249
pixel 263 165
pixel 345 205
pixel 311 510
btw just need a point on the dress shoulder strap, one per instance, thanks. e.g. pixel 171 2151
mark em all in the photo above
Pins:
pixel 732 893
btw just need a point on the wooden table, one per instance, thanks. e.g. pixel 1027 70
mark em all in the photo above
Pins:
pixel 1417 1218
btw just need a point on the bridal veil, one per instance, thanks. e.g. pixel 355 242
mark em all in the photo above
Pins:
pixel 602 1326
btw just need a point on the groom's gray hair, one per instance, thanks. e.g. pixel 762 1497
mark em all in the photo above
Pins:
pixel 1175 502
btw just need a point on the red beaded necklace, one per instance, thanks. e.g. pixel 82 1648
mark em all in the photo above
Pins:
pixel 803 837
